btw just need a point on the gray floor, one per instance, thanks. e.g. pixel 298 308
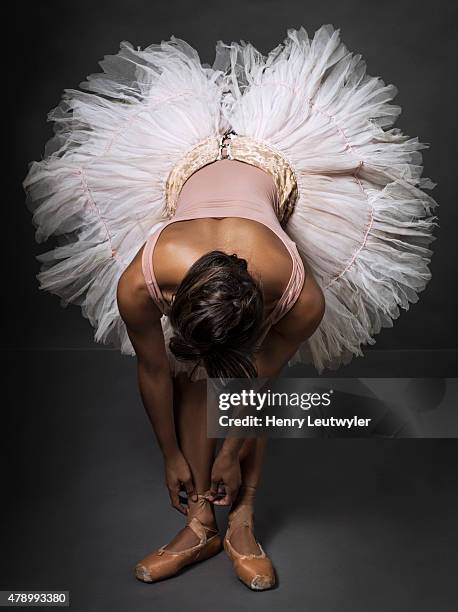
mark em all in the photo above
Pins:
pixel 352 525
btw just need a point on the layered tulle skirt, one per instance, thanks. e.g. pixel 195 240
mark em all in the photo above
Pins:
pixel 362 219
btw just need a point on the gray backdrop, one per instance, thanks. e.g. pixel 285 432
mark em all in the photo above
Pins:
pixel 357 525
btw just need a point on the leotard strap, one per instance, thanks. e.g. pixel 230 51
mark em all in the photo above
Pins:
pixel 148 270
pixel 294 286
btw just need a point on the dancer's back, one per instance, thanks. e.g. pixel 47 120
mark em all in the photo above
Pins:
pixel 227 205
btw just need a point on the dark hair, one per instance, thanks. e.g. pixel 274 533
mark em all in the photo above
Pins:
pixel 217 315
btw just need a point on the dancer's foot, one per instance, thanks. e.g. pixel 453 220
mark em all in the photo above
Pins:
pixel 196 542
pixel 251 564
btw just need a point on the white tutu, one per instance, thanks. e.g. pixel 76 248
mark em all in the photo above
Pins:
pixel 362 220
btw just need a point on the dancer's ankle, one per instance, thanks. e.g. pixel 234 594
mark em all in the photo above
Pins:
pixel 203 510
pixel 241 523
pixel 245 501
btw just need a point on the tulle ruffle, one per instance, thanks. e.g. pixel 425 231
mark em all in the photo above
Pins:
pixel 100 188
pixel 363 221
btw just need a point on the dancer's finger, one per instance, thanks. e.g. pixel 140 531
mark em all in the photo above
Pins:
pixel 190 489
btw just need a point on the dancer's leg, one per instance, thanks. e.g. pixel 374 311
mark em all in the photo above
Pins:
pixel 251 461
pixel 251 457
pixel 190 412
pixel 256 571
pixel 190 422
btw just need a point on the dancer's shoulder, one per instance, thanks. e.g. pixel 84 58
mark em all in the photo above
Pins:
pixel 304 317
pixel 135 305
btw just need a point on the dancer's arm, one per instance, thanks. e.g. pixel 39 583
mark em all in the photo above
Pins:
pixel 280 344
pixel 284 338
pixel 143 322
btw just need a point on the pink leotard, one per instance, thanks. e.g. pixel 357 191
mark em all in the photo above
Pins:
pixel 229 188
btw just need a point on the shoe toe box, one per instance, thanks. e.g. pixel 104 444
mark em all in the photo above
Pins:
pixel 257 574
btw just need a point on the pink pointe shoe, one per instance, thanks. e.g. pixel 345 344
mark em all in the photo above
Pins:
pixel 164 563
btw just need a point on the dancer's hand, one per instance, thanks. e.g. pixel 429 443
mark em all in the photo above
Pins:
pixel 178 476
pixel 226 479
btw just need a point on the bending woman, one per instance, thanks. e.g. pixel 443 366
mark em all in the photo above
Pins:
pixel 239 301
pixel 298 248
